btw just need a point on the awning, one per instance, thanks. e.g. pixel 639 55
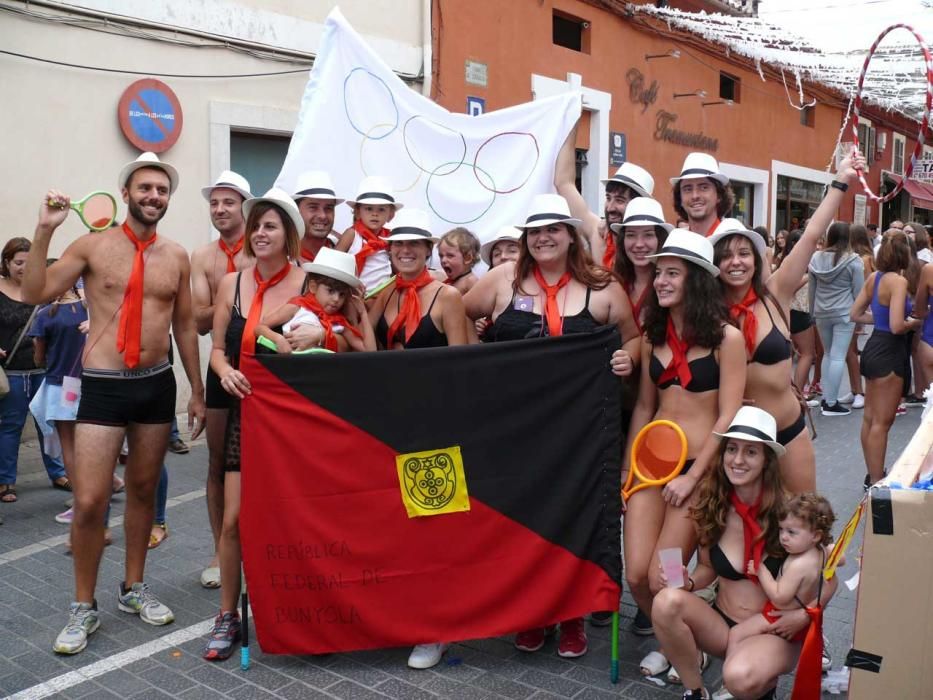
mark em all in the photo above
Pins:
pixel 921 193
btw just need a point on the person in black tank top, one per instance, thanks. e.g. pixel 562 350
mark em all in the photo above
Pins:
pixel 271 220
pixel 692 373
pixel 415 310
pixel 553 289
pixel 737 515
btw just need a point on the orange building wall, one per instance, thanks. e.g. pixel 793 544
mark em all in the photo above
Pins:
pixel 514 39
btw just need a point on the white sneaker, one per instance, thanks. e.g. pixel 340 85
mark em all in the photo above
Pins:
pixel 846 398
pixel 813 403
pixel 722 694
pixel 858 401
pixel 426 655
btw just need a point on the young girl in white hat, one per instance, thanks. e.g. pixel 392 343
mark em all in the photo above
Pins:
pixel 373 208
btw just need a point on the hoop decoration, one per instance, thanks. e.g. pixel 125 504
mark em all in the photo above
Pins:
pixel 924 122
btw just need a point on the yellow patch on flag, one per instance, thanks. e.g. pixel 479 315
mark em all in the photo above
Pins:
pixel 433 482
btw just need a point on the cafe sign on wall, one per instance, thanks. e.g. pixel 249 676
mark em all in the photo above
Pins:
pixel 641 93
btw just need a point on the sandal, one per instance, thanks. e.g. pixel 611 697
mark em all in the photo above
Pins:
pixel 673 677
pixel 158 534
pixel 8 493
pixel 62 484
pixel 655 663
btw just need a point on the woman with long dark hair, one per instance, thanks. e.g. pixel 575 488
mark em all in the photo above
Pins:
pixel 272 241
pixel 761 308
pixel 692 373
pixel 861 246
pixel 836 277
pixel 554 289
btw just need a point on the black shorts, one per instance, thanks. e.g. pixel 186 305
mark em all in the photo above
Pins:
pixel 883 354
pixel 799 321
pixel 120 397
pixel 216 397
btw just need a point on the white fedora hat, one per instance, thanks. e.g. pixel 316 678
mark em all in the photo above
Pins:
pixel 699 165
pixel 228 180
pixel 315 184
pixel 281 198
pixel 643 211
pixel 506 233
pixel 375 190
pixel 149 160
pixel 753 424
pixel 548 209
pixel 633 176
pixel 410 225
pixel 689 246
pixel 734 227
pixel 334 264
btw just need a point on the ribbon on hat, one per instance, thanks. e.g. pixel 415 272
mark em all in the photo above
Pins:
pixel 248 342
pixel 678 366
pixel 754 540
pixel 372 243
pixel 130 331
pixel 409 315
pixel 555 323
pixel 743 312
pixel 328 321
pixel 230 252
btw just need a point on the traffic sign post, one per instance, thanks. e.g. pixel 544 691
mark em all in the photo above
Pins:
pixel 150 115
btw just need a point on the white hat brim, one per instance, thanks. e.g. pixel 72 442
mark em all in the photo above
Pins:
pixel 628 182
pixel 295 216
pixel 748 437
pixel 131 168
pixel 687 256
pixel 332 272
pixel 410 237
pixel 485 250
pixel 753 236
pixel 719 177
pixel 376 202
pixel 635 221
pixel 541 223
pixel 206 191
pixel 336 200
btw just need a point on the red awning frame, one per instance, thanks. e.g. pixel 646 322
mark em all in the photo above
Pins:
pixel 921 193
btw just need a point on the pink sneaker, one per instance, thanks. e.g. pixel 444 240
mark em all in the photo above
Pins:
pixel 572 638
pixel 530 640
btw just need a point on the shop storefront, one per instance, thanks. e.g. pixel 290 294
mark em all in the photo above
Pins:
pixel 796 201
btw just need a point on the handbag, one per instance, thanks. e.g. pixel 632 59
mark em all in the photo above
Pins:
pixel 4 380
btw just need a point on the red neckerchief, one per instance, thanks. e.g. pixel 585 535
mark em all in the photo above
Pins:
pixel 749 324
pixel 555 324
pixel 754 542
pixel 638 305
pixel 248 343
pixel 609 257
pixel 409 315
pixel 231 252
pixel 309 256
pixel 372 243
pixel 130 332
pixel 328 321
pixel 678 366
pixel 712 229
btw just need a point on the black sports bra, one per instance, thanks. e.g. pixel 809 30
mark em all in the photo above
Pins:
pixel 705 371
pixel 774 347
pixel 426 335
pixel 513 324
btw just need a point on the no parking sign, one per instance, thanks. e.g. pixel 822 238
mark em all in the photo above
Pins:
pixel 150 115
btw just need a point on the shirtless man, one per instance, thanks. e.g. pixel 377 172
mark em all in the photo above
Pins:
pixel 209 264
pixel 702 195
pixel 317 201
pixel 137 288
pixel 630 181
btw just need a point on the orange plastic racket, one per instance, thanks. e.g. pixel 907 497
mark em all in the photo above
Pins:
pixel 658 455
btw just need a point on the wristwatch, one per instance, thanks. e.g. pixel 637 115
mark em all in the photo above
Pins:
pixel 841 186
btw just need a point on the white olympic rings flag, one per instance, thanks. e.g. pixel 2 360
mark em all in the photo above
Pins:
pixel 358 119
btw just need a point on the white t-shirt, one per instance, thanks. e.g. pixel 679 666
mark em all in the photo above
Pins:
pixel 303 317
pixel 377 266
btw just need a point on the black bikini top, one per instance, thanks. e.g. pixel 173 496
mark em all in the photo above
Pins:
pixel 705 371
pixel 774 347
pixel 514 324
pixel 426 335
pixel 724 569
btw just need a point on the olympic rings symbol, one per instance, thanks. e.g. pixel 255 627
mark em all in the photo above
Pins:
pixel 392 126
pixel 924 122
pixel 490 140
pixel 431 204
pixel 442 128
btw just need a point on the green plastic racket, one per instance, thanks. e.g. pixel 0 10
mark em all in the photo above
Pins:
pixel 97 211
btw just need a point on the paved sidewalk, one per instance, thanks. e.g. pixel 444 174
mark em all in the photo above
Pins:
pixel 126 659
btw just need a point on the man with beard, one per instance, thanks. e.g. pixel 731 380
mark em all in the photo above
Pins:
pixel 209 264
pixel 702 195
pixel 137 289
pixel 630 181
pixel 316 201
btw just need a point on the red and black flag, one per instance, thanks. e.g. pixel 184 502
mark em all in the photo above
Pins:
pixel 398 498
